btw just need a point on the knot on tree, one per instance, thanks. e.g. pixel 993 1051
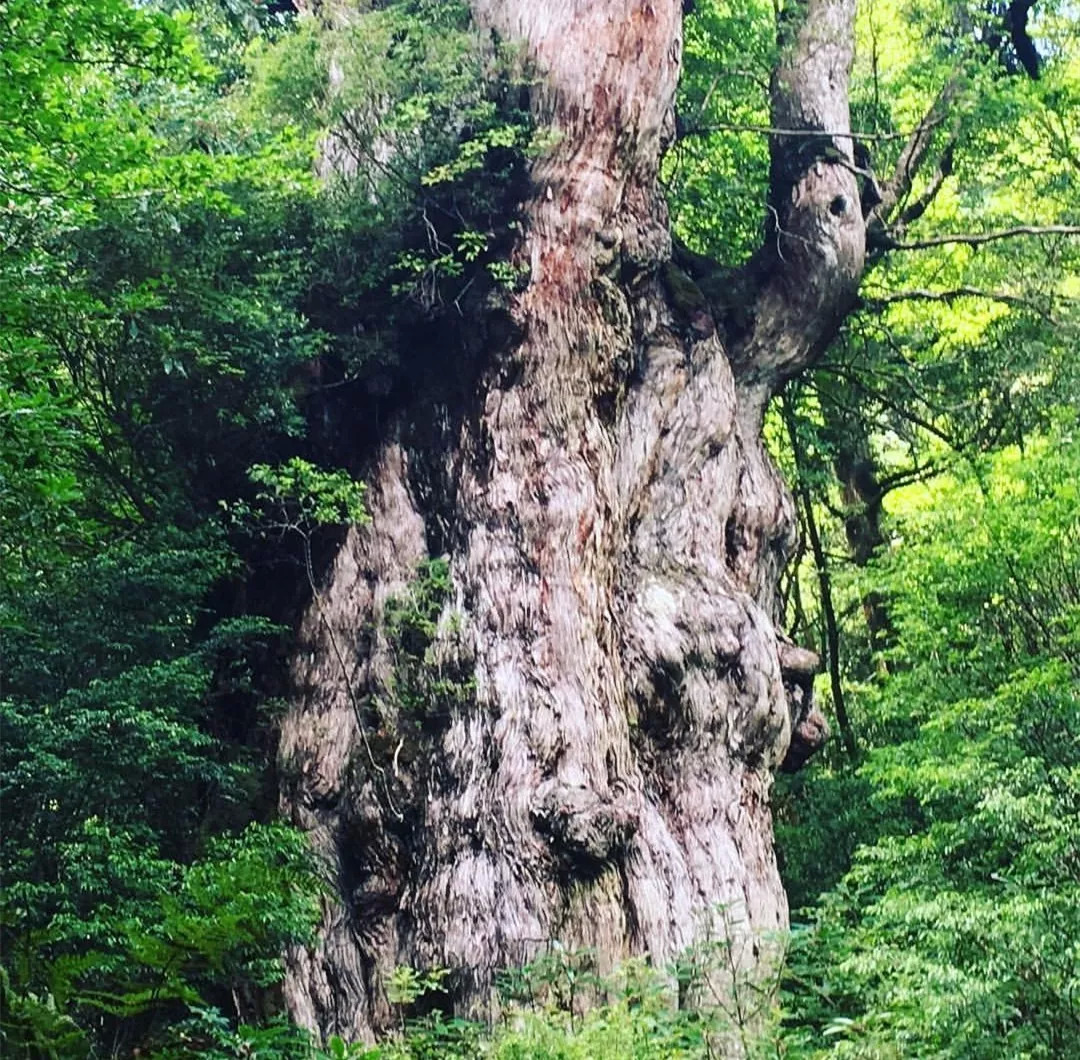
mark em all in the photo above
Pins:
pixel 809 729
pixel 689 302
pixel 586 831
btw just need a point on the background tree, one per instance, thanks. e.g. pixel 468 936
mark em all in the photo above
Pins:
pixel 139 889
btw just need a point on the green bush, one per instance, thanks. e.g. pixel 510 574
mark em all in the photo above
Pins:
pixel 955 933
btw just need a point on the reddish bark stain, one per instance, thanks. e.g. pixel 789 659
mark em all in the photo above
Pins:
pixel 600 105
pixel 585 528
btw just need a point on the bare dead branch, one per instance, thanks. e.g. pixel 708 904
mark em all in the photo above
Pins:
pixel 921 294
pixel 915 150
pixel 974 239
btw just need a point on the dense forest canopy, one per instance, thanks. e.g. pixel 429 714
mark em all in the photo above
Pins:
pixel 247 250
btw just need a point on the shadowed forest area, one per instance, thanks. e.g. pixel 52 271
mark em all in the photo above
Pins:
pixel 408 648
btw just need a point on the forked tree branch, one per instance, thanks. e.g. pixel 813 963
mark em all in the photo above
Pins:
pixel 914 210
pixel 916 149
pixel 899 479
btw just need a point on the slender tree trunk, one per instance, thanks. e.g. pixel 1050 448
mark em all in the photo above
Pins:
pixel 824 577
pixel 614 532
pixel 862 495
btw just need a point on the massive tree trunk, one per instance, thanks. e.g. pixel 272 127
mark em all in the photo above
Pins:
pixel 615 697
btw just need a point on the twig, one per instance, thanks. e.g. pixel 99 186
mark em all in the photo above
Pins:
pixel 922 294
pixel 974 239
pixel 772 130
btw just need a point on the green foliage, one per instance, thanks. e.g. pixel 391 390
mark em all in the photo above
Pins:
pixel 299 494
pixel 560 1007
pixel 954 934
pixel 412 620
pixel 428 682
pixel 67 133
pixel 407 984
pixel 425 132
pixel 930 383
pixel 207 1032
pixel 180 298
pixel 41 497
pixel 116 906
pixel 235 910
pixel 30 1027
pixel 163 302
pixel 148 329
pixel 717 171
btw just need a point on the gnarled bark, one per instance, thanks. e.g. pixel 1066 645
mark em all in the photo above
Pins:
pixel 614 531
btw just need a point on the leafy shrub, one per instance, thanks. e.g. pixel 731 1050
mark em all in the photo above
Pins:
pixel 955 933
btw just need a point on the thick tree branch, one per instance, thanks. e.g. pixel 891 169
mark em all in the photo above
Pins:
pixel 798 288
pixel 1016 18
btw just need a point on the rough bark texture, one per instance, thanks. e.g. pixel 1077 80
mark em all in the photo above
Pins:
pixel 615 531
